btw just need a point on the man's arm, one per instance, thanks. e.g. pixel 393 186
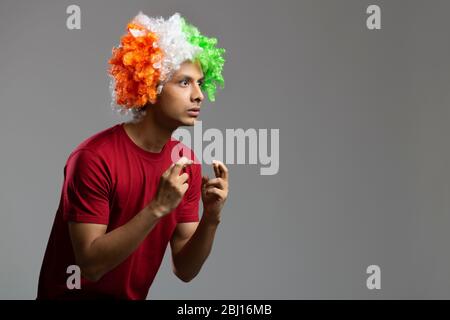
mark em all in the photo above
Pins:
pixel 191 244
pixel 97 252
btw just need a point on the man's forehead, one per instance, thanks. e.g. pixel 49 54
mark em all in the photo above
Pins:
pixel 190 69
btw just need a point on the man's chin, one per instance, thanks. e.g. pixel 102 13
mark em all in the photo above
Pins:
pixel 189 122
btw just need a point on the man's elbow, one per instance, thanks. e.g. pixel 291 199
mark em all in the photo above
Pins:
pixel 92 277
pixel 182 277
pixel 91 273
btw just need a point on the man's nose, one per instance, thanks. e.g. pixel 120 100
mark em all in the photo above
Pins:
pixel 197 94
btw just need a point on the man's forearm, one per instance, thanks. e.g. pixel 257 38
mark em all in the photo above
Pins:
pixel 189 260
pixel 112 248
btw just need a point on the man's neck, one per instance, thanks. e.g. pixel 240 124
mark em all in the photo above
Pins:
pixel 147 134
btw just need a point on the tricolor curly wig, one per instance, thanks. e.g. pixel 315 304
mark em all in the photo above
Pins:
pixel 150 53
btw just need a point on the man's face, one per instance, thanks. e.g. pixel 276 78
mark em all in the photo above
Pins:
pixel 181 93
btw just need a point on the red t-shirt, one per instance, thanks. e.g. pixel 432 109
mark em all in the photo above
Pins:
pixel 108 179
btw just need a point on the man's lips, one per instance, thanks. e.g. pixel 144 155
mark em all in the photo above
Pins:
pixel 194 111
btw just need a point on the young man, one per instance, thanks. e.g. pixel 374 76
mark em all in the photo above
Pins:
pixel 127 191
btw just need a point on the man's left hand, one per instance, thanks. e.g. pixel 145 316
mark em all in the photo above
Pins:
pixel 215 192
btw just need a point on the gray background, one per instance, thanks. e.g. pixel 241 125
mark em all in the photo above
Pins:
pixel 364 153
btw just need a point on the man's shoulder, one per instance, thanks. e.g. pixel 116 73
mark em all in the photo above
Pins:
pixel 96 143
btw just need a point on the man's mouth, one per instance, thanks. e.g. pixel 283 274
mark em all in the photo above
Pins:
pixel 194 112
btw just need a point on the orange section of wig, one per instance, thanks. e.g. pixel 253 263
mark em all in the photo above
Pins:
pixel 131 65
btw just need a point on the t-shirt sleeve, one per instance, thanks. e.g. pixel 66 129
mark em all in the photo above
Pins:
pixel 86 188
pixel 187 211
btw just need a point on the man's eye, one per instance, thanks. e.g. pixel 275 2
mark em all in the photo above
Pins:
pixel 184 82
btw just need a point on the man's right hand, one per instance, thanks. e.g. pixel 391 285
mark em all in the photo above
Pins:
pixel 172 187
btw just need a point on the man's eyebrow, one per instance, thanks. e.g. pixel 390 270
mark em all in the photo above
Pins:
pixel 185 76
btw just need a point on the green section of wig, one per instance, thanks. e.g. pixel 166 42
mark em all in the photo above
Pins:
pixel 211 59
